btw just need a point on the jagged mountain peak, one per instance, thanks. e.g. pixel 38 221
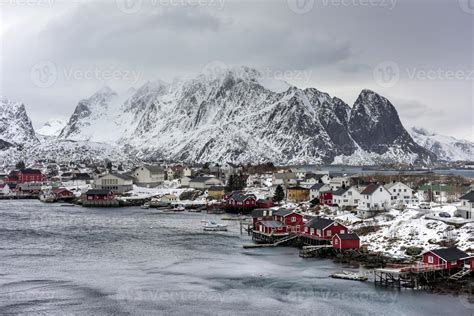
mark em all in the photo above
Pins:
pixel 15 125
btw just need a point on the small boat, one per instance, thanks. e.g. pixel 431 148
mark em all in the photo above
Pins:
pixel 195 210
pixel 145 206
pixel 179 209
pixel 350 276
pixel 212 226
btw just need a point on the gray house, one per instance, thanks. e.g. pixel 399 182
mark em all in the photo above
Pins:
pixel 115 182
pixel 466 210
pixel 149 176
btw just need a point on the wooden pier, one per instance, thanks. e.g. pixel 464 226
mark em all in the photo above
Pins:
pixel 418 276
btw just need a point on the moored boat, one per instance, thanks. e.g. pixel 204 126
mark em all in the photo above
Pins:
pixel 349 276
pixel 214 226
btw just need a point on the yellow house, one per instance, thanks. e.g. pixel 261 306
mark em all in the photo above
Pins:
pixel 216 192
pixel 297 194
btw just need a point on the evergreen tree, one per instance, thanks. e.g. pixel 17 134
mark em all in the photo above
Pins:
pixel 279 194
pixel 20 165
pixel 314 202
pixel 230 184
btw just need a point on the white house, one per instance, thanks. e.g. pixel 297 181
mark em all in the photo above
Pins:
pixel 284 179
pixel 204 182
pixel 346 197
pixel 466 210
pixel 338 182
pixel 311 178
pixel 316 189
pixel 401 193
pixel 374 198
pixel 117 183
pixel 149 176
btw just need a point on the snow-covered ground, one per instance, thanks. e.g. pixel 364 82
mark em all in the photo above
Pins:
pixel 410 228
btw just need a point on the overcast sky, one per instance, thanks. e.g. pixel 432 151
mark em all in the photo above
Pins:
pixel 417 53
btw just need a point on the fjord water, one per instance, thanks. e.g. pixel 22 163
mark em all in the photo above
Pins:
pixel 125 261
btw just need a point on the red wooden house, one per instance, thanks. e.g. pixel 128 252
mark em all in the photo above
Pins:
pixel 323 228
pixel 62 194
pixel 271 228
pixel 292 220
pixel 451 258
pixel 241 201
pixel 265 203
pixel 24 176
pixel 261 215
pixel 325 198
pixel 468 262
pixel 99 195
pixel 345 241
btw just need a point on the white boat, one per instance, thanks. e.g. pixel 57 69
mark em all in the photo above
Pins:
pixel 145 206
pixel 212 226
pixel 350 276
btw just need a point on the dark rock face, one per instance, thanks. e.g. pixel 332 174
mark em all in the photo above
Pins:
pixel 5 145
pixel 374 124
pixel 237 116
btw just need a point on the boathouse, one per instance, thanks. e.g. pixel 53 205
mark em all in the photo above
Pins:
pixel 261 215
pixel 290 218
pixel 272 228
pixel 451 258
pixel 323 228
pixel 345 241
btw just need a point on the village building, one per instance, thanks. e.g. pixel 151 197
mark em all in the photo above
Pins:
pixel 169 198
pixel 285 179
pixel 265 203
pixel 261 215
pixel 316 190
pixel 62 194
pixel 273 228
pixel 345 241
pixel 25 176
pixel 99 197
pixel 401 193
pixel 323 228
pixel 216 192
pixel 297 194
pixel 311 179
pixel 466 209
pixel 5 190
pixel 347 197
pixel 338 182
pixel 450 258
pixel 241 201
pixel 149 176
pixel 115 182
pixel 185 181
pixel 292 220
pixel 326 197
pixel 375 198
pixel 204 182
pixel 439 193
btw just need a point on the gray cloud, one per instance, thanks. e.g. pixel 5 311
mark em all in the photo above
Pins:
pixel 338 44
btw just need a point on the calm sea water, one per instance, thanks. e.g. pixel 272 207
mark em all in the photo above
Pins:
pixel 128 261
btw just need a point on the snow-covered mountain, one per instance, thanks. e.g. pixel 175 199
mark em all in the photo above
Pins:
pixel 15 125
pixel 238 115
pixel 444 147
pixel 51 128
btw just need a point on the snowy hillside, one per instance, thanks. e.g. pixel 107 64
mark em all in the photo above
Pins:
pixel 51 128
pixel 445 147
pixel 15 125
pixel 238 115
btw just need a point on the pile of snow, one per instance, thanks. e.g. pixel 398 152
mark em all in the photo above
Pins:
pixel 51 128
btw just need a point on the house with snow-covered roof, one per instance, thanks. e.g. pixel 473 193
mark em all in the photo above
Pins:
pixel 401 193
pixel 374 198
pixel 346 197
pixel 466 209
